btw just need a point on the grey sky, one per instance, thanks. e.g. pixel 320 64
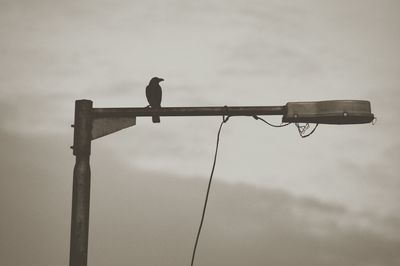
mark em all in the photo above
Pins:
pixel 213 53
pixel 144 218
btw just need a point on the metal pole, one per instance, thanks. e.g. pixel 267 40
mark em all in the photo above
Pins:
pixel 81 184
pixel 190 111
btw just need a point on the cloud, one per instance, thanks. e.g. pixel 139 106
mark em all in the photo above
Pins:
pixel 149 218
pixel 273 52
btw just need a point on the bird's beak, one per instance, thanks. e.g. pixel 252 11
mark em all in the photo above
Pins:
pixel 160 80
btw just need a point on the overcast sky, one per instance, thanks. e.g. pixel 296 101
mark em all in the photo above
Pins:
pixel 219 53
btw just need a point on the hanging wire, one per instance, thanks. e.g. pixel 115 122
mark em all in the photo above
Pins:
pixel 268 123
pixel 224 120
pixel 303 129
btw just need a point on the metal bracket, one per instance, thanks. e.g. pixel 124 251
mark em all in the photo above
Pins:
pixel 105 126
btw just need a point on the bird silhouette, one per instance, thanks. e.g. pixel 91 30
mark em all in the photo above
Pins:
pixel 153 95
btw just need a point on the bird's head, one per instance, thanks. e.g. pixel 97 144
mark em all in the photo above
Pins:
pixel 156 80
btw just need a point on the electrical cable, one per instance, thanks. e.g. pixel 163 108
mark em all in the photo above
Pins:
pixel 301 129
pixel 268 123
pixel 224 120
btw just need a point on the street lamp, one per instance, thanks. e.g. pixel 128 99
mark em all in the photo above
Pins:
pixel 329 112
pixel 92 123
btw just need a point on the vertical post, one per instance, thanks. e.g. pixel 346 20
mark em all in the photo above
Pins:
pixel 81 184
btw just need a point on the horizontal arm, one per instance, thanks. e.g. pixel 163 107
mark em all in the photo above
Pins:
pixel 322 112
pixel 189 111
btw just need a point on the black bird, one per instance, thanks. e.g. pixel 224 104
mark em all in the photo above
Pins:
pixel 153 94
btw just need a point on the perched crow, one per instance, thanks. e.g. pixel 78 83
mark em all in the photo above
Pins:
pixel 153 94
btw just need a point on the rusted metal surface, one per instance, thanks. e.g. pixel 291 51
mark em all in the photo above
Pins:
pixel 81 184
pixel 190 111
pixel 329 112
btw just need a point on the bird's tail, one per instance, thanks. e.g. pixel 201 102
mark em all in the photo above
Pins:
pixel 156 119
